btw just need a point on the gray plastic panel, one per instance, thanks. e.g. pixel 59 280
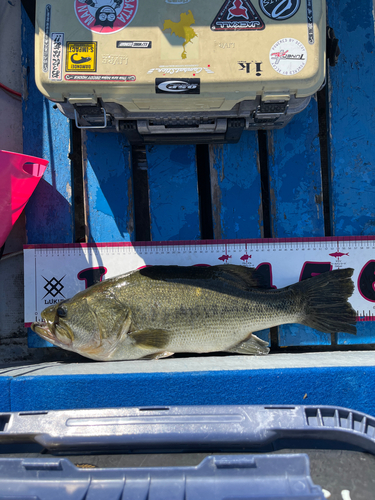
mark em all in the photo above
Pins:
pixel 265 477
pixel 186 428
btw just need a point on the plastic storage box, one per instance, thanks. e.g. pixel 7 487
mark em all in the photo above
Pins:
pixel 224 429
pixel 180 71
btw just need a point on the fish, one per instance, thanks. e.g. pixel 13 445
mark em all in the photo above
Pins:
pixel 79 61
pixel 338 254
pixel 157 311
pixel 245 257
pixel 225 257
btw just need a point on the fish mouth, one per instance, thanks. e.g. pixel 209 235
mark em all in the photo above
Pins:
pixel 42 329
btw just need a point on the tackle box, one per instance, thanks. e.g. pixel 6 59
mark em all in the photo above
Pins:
pixel 181 70
pixel 136 453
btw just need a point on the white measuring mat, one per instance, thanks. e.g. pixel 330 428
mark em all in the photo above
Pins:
pixel 57 272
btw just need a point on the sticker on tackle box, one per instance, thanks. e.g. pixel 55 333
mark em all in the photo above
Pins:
pixel 100 78
pixel 237 15
pixel 288 56
pixel 105 17
pixel 279 10
pixel 310 22
pixel 81 56
pixel 56 56
pixel 46 38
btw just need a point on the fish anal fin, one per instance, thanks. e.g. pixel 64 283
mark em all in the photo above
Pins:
pixel 151 338
pixel 253 345
pixel 159 355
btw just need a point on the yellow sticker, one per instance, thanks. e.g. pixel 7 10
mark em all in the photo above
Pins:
pixel 182 29
pixel 81 56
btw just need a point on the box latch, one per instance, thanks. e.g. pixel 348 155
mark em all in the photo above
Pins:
pixel 270 111
pixel 90 116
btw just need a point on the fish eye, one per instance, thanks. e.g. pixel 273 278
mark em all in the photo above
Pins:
pixel 61 312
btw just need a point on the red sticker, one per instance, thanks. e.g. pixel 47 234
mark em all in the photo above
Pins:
pixel 237 15
pixel 105 16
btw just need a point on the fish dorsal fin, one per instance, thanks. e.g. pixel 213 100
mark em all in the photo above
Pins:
pixel 238 276
pixel 245 277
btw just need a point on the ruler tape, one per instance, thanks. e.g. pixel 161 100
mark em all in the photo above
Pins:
pixel 56 272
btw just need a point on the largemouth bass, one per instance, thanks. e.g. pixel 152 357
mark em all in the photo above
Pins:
pixel 158 311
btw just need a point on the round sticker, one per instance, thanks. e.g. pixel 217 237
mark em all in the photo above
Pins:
pixel 288 56
pixel 279 9
pixel 105 16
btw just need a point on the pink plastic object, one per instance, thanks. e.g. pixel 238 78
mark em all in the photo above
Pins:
pixel 19 176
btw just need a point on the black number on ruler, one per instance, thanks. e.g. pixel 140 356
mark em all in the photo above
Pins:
pixel 313 268
pixel 366 281
pixel 265 270
pixel 92 275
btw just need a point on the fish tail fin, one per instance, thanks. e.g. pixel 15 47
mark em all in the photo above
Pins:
pixel 326 301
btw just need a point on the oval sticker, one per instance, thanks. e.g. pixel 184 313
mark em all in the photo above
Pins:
pixel 177 86
pixel 279 9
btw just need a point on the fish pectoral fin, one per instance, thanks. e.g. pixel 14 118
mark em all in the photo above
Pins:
pixel 151 339
pixel 251 346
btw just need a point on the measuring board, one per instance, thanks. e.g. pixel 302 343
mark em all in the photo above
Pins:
pixel 57 272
